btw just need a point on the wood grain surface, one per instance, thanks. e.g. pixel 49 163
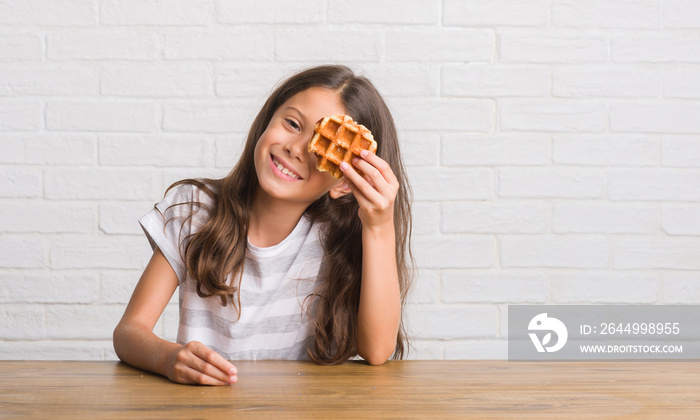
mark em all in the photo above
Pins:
pixel 405 389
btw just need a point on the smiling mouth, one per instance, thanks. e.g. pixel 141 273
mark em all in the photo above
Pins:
pixel 283 168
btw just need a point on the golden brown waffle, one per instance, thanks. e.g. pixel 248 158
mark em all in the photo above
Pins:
pixel 339 139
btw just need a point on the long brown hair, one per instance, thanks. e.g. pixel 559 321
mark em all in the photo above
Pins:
pixel 218 248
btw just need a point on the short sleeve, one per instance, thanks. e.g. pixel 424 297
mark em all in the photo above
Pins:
pixel 171 221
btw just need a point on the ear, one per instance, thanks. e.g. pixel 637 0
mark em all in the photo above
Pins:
pixel 341 189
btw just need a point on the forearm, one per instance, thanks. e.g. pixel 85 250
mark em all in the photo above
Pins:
pixel 138 346
pixel 379 311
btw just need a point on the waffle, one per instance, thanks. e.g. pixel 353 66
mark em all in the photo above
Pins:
pixel 339 139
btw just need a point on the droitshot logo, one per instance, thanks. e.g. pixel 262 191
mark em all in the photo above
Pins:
pixel 545 325
pixel 603 332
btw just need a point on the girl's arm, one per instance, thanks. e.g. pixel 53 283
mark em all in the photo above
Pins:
pixel 137 345
pixel 379 312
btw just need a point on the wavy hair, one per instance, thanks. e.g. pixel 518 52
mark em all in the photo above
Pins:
pixel 218 249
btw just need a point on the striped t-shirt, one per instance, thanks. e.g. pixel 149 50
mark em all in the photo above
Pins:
pixel 276 281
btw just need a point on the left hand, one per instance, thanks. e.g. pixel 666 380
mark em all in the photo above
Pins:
pixel 375 192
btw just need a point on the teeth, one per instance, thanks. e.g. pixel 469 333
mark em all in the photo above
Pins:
pixel 285 170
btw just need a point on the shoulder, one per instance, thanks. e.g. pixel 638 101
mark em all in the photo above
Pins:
pixel 189 196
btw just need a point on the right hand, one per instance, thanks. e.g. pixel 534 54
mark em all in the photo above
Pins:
pixel 195 363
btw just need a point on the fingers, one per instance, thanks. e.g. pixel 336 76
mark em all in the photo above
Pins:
pixel 195 363
pixel 379 183
pixel 381 165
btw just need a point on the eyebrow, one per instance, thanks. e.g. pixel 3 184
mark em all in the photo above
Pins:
pixel 293 109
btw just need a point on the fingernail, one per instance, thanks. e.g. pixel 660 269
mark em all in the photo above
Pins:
pixel 364 153
pixel 344 166
pixel 355 160
pixel 233 371
pixel 232 379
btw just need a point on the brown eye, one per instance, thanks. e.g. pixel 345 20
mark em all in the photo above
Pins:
pixel 293 124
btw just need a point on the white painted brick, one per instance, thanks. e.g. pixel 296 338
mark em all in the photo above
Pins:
pixel 552 47
pixel 451 184
pixel 660 47
pixel 419 148
pixel 170 322
pixel 682 82
pixel 597 14
pixel 426 287
pixel 23 252
pixel 477 350
pixel 13 149
pixel 404 79
pixel 327 45
pixel 369 11
pixel 442 46
pixel 495 80
pixel 116 286
pixel 228 149
pixel 494 217
pixel 680 151
pixel 32 79
pixel 553 115
pixel 102 45
pixel 426 218
pixel 19 182
pixel 595 287
pixel 44 149
pixel 209 117
pixel 496 149
pixel 48 287
pixel 477 115
pixel 495 12
pixel 677 253
pixel 271 11
pixel 606 82
pixel 604 217
pixel 681 219
pixel 454 251
pixel 425 350
pixel 129 252
pixel 121 217
pixel 606 150
pixel 101 116
pixel 155 151
pixel 101 184
pixel 680 288
pixel 655 117
pixel 54 350
pixel 256 45
pixel 47 217
pixel 579 251
pixel 21 321
pixel 551 183
pixel 245 80
pixel 48 13
pixel 20 115
pixel 453 321
pixel 681 14
pixel 654 184
pixel 156 80
pixel 489 287
pixel 156 12
pixel 82 321
pixel 20 46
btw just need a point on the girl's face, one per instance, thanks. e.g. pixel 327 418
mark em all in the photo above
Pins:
pixel 286 169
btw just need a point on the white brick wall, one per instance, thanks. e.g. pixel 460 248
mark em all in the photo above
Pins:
pixel 553 148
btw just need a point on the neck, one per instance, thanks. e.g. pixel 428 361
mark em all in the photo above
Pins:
pixel 272 220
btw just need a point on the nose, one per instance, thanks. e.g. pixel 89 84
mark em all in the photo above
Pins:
pixel 298 148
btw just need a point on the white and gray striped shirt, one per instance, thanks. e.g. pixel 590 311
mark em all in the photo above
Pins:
pixel 276 281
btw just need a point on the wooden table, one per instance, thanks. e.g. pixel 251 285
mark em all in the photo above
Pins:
pixel 406 389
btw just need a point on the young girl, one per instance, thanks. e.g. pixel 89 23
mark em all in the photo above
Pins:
pixel 278 260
